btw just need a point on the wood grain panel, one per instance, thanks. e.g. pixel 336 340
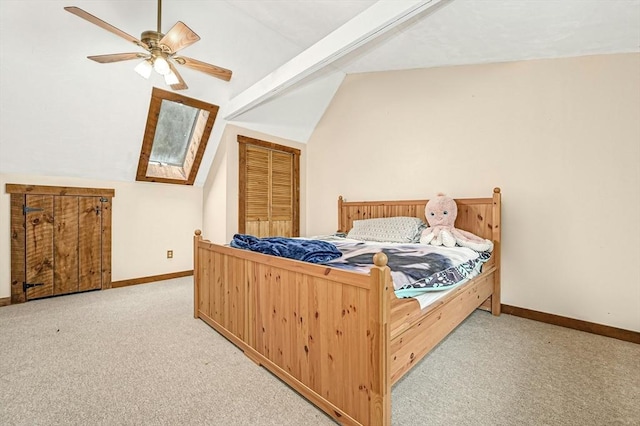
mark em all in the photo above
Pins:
pixel 303 324
pixel 39 246
pixel 262 311
pixel 350 211
pixel 379 328
pixel 258 228
pixel 474 215
pixel 237 295
pixel 65 237
pixel 106 243
pixel 13 188
pixel 221 299
pixel 282 228
pixel 218 295
pixel 89 243
pixel 251 308
pixel 475 219
pixel 206 284
pixel 299 299
pixel 496 225
pixel 410 347
pixel 336 319
pixel 18 249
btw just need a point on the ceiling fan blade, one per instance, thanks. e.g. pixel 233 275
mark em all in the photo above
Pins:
pixel 99 22
pixel 181 85
pixel 213 70
pixel 116 57
pixel 179 37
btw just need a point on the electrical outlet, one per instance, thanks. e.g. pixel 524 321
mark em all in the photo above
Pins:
pixel 169 254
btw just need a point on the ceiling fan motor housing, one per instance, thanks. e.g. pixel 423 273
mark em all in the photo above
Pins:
pixel 152 39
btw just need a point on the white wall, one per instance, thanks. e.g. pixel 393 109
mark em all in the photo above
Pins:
pixel 147 220
pixel 560 137
pixel 220 193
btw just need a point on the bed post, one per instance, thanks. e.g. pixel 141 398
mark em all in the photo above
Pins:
pixel 380 359
pixel 497 232
pixel 340 224
pixel 196 272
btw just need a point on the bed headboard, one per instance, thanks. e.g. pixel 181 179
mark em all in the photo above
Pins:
pixel 480 216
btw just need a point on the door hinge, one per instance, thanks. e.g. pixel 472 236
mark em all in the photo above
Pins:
pixel 26 286
pixel 26 209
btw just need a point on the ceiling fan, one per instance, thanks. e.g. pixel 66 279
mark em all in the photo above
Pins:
pixel 162 50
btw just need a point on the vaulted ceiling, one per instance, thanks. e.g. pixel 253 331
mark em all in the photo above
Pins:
pixel 62 114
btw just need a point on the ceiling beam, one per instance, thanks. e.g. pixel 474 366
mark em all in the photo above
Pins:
pixel 373 22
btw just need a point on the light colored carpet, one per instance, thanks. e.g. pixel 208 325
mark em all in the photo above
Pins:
pixel 136 356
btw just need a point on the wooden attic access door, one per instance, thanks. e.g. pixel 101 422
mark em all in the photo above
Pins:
pixel 60 240
pixel 269 189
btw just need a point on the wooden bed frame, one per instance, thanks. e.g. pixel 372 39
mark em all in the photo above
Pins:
pixel 339 338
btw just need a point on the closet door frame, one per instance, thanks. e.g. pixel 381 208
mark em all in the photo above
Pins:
pixel 243 141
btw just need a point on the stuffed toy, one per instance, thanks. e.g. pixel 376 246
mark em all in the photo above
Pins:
pixel 441 213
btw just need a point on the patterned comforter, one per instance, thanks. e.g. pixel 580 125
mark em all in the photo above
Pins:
pixel 415 268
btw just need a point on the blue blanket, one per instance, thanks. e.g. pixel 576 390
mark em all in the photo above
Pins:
pixel 314 251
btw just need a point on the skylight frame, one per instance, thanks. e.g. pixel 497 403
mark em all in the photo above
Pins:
pixel 184 174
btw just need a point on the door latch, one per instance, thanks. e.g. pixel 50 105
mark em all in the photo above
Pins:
pixel 26 286
pixel 26 209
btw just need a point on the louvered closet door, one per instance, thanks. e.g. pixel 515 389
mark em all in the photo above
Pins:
pixel 257 192
pixel 281 214
pixel 268 189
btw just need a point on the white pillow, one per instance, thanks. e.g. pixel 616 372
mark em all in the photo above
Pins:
pixel 400 229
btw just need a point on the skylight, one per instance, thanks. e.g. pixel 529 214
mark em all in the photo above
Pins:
pixel 175 138
pixel 173 133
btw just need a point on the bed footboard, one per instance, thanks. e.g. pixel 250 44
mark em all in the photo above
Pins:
pixel 323 331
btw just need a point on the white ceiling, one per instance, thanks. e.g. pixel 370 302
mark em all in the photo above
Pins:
pixel 464 31
pixel 97 112
pixel 483 31
pixel 302 22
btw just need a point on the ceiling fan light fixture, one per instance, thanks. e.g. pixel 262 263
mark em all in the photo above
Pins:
pixel 144 68
pixel 161 65
pixel 170 78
